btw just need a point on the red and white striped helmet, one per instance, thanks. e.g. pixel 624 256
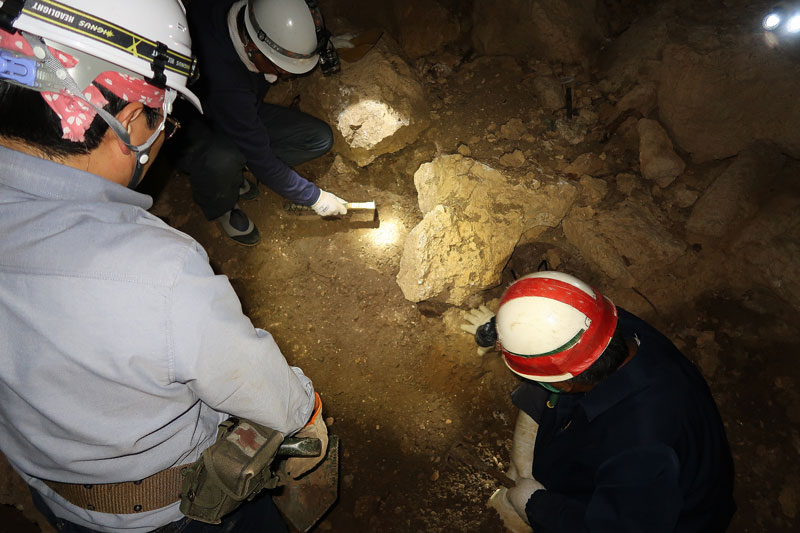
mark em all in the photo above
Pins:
pixel 552 326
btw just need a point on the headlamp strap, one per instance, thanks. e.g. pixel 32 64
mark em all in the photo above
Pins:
pixel 160 60
pixel 142 151
pixel 9 11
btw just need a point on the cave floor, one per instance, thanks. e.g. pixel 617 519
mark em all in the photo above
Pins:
pixel 400 388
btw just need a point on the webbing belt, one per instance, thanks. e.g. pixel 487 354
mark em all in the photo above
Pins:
pixel 154 492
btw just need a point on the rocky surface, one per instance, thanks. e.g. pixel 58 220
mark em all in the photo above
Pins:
pixel 375 106
pixel 473 217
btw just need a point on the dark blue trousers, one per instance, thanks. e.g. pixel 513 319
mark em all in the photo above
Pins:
pixel 257 516
pixel 214 163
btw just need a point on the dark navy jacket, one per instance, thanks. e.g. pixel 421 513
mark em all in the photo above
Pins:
pixel 644 451
pixel 231 96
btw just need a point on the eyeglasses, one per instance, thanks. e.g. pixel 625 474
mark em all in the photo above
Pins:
pixel 171 127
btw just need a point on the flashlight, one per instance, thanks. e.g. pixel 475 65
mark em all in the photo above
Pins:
pixel 771 21
pixel 793 24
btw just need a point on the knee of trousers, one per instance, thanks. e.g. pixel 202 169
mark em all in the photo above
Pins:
pixel 322 140
pixel 221 162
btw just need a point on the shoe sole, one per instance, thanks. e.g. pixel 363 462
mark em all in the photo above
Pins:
pixel 255 234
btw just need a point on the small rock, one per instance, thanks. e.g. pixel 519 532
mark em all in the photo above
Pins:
pixel 435 475
pixel 685 197
pixel 657 158
pixel 549 92
pixel 588 163
pixel 464 150
pixel 593 189
pixel 553 258
pixel 515 159
pixel 513 130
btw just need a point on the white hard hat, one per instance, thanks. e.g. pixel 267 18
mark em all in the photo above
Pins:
pixel 149 39
pixel 285 31
pixel 552 326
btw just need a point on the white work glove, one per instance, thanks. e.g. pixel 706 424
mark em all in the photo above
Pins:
pixel 511 520
pixel 342 41
pixel 476 318
pixel 521 493
pixel 315 429
pixel 328 205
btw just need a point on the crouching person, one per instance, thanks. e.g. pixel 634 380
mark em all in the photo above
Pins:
pixel 122 351
pixel 617 430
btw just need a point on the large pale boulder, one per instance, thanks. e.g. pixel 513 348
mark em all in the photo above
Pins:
pixel 627 243
pixel 734 195
pixel 546 29
pixel 473 217
pixel 375 106
pixel 716 102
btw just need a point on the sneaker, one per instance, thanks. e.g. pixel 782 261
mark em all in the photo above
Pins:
pixel 248 190
pixel 236 225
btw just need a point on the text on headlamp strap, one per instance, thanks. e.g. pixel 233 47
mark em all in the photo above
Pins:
pixel 108 33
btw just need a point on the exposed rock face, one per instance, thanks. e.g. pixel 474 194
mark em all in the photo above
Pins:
pixel 716 102
pixel 548 29
pixel 628 243
pixel 374 106
pixel 657 159
pixel 473 218
pixel 734 196
pixel 422 27
pixel 635 55
pixel 771 246
pixel 425 27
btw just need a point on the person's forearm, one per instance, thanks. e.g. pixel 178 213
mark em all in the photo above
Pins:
pixel 524 441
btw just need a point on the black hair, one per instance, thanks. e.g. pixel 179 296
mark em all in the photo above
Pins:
pixel 609 361
pixel 25 116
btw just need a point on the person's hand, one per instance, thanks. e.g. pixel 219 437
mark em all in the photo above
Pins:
pixel 476 318
pixel 315 429
pixel 328 205
pixel 511 520
pixel 521 493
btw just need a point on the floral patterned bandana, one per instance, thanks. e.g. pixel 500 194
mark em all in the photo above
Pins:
pixel 75 114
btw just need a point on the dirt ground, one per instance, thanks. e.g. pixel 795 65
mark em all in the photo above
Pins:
pixel 399 389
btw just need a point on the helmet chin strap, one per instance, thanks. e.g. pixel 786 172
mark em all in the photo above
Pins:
pixel 142 158
pixel 63 80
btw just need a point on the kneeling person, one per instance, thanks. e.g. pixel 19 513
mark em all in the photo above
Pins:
pixel 617 430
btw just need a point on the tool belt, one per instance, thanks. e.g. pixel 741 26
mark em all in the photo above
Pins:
pixel 148 494
pixel 234 469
